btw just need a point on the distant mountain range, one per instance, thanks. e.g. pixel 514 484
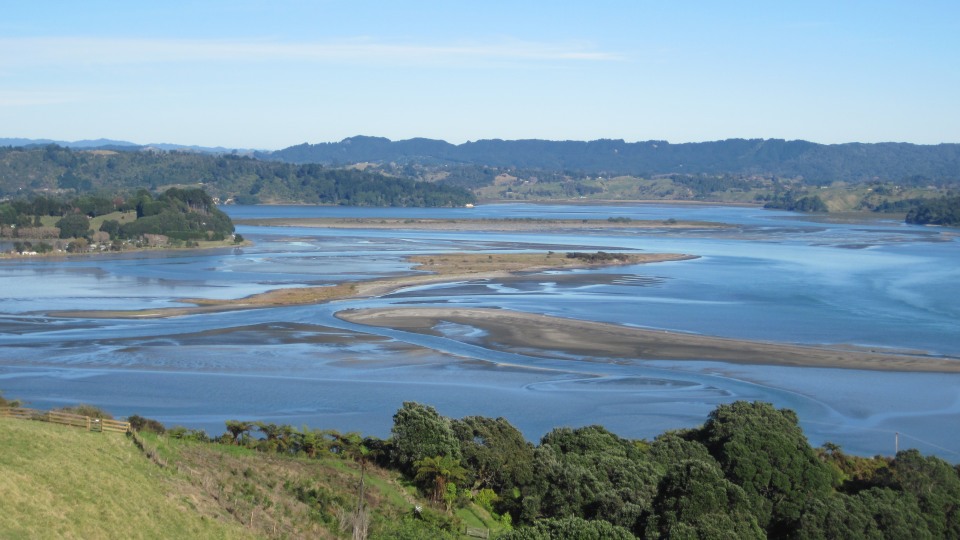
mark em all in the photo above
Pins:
pixel 814 163
pixel 92 144
pixel 855 162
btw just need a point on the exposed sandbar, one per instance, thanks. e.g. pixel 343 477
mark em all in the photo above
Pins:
pixel 440 268
pixel 554 337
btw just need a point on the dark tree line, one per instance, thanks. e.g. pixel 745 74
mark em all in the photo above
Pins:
pixel 942 211
pixel 816 163
pixel 24 212
pixel 183 214
pixel 791 201
pixel 247 180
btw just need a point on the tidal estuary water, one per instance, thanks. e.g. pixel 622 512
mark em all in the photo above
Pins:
pixel 774 276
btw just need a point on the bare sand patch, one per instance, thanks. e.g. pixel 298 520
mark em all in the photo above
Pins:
pixel 545 336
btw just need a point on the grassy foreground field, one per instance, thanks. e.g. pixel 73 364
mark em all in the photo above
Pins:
pixel 63 482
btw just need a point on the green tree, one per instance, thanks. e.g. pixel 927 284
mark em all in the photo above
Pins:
pixel 8 214
pixel 73 226
pixel 436 472
pixel 896 514
pixel 111 227
pixel 936 486
pixel 764 451
pixel 93 206
pixel 837 516
pixel 495 452
pixel 277 438
pixel 674 447
pixel 310 441
pixel 694 500
pixel 591 473
pixel 239 430
pixel 419 432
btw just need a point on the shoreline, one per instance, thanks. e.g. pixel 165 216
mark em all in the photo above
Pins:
pixel 538 335
pixel 479 224
pixel 6 255
pixel 612 202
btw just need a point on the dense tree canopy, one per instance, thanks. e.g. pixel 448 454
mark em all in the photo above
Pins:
pixel 179 214
pixel 495 451
pixel 936 486
pixel 186 214
pixel 815 163
pixel 246 180
pixel 695 500
pixel 942 211
pixel 763 450
pixel 592 473
pixel 420 432
pixel 790 201
pixel 73 226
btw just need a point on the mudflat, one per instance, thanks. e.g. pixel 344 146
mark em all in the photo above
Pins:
pixel 555 337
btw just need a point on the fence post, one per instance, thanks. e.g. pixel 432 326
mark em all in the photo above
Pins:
pixel 88 423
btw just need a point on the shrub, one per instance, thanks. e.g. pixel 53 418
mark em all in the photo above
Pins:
pixel 84 409
pixel 4 402
pixel 139 423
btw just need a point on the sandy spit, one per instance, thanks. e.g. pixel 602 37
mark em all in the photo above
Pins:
pixel 541 335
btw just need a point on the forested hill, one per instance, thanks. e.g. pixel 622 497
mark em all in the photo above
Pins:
pixel 56 169
pixel 815 163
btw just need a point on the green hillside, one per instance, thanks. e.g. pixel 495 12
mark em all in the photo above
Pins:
pixel 59 481
pixel 63 482
pixel 52 169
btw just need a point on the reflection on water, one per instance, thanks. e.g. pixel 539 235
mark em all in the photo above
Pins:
pixel 775 276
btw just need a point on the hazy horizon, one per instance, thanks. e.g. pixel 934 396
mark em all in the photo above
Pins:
pixel 111 140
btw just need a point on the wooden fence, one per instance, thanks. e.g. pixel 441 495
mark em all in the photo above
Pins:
pixel 68 419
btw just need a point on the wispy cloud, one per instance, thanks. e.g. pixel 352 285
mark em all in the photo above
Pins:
pixel 87 51
pixel 22 98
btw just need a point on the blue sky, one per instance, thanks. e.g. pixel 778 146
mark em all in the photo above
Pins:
pixel 258 74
